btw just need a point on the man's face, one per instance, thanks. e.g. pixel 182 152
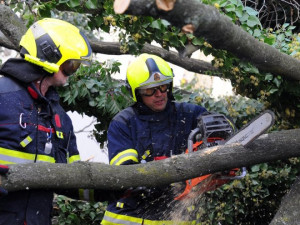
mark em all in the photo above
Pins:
pixel 58 79
pixel 158 101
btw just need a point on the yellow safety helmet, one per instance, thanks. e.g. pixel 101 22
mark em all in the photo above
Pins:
pixel 51 42
pixel 147 71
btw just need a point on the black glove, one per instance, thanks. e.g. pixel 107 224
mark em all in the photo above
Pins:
pixel 3 171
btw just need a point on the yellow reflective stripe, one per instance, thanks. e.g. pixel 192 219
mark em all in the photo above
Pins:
pixel 13 156
pixel 126 159
pixel 129 154
pixel 146 154
pixel 81 194
pixel 26 141
pixel 116 219
pixel 168 222
pixel 60 134
pixel 91 195
pixel 45 158
pixel 74 158
pixel 120 205
pixel 86 194
pixel 3 162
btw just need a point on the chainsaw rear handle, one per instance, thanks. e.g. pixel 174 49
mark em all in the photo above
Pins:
pixel 191 138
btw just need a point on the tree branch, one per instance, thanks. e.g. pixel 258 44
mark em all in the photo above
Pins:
pixel 11 25
pixel 269 147
pixel 219 31
pixel 17 28
pixel 193 65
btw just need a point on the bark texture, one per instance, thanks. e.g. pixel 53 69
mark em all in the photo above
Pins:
pixel 11 25
pixel 288 212
pixel 221 33
pixel 269 147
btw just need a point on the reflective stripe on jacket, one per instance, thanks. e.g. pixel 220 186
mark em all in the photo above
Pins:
pixel 116 219
pixel 137 135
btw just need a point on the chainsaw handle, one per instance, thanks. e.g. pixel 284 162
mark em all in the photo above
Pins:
pixel 191 138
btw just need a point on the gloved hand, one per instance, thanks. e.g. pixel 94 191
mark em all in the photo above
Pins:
pixel 3 171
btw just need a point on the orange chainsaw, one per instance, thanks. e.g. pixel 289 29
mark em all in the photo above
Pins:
pixel 216 129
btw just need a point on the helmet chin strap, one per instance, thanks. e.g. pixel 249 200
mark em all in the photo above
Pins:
pixel 40 87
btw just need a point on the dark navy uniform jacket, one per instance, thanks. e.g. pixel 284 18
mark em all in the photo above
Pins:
pixel 33 129
pixel 138 135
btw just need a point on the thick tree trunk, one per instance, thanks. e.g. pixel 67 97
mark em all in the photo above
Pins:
pixel 288 213
pixel 206 21
pixel 269 147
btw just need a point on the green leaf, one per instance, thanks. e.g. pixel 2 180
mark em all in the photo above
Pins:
pixel 253 21
pixel 156 24
pixel 239 12
pixel 255 168
pixel 92 103
pixel 273 90
pixel 230 8
pixel 264 166
pixel 270 40
pixel 45 11
pixel 269 76
pixel 257 33
pixel 223 3
pixel 254 182
pixel 197 41
pixel 277 82
pixel 244 17
pixel 280 37
pixel 165 23
pixel 74 3
pixel 235 2
pixel 91 4
pixel 251 11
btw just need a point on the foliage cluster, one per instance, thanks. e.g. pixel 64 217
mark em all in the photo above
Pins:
pixel 68 211
pixel 277 93
pixel 251 200
pixel 240 109
pixel 92 91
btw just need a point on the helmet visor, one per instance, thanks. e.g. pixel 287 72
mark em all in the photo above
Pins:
pixel 69 67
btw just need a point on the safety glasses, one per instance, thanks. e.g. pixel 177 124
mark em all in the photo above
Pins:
pixel 69 67
pixel 151 91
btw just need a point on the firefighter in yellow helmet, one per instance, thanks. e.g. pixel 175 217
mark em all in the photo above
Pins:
pixel 34 128
pixel 154 128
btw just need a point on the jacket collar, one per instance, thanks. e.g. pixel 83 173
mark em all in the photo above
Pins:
pixel 22 70
pixel 51 94
pixel 26 73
